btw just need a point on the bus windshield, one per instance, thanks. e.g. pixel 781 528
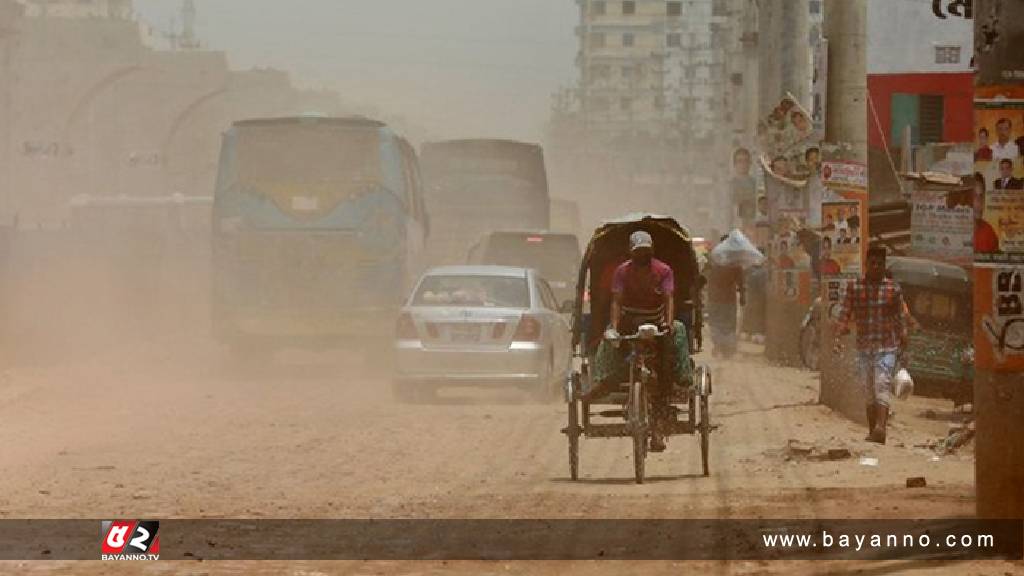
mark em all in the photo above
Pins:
pixel 309 160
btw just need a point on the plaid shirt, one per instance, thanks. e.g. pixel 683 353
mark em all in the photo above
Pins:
pixel 880 313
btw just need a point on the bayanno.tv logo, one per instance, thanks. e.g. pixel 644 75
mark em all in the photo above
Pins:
pixel 130 540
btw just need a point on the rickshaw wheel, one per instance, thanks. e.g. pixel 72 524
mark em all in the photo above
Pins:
pixel 638 426
pixel 573 433
pixel 705 432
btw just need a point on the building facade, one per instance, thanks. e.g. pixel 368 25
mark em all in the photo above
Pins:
pixel 919 78
pixel 90 108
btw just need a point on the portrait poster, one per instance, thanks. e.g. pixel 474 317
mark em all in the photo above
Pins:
pixel 841 238
pixel 788 125
pixel 792 285
pixel 941 229
pixel 999 230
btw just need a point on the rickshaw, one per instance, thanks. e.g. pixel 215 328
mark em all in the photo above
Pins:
pixel 622 408
pixel 939 356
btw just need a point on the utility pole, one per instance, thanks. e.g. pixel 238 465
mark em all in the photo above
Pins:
pixel 999 364
pixel 10 13
pixel 845 27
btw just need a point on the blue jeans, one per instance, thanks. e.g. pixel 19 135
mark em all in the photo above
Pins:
pixel 876 370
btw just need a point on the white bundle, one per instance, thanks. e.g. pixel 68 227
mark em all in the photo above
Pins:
pixel 736 250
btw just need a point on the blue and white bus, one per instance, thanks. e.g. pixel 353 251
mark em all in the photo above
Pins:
pixel 319 224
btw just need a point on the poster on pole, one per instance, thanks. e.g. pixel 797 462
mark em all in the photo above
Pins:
pixel 998 198
pixel 999 318
pixel 788 125
pixel 841 238
pixel 998 183
pixel 942 226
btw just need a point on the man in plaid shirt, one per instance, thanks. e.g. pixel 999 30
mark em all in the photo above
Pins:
pixel 876 305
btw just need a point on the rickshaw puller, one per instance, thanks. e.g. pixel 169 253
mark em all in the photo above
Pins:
pixel 643 288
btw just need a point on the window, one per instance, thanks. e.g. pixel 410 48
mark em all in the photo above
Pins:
pixel 674 8
pixel 597 40
pixel 600 71
pixel 626 104
pixel 947 54
pixel 922 113
pixel 547 296
pixel 932 109
pixel 627 72
pixel 674 40
pixel 473 292
pixel 815 6
pixel 629 7
pixel 628 39
pixel 598 8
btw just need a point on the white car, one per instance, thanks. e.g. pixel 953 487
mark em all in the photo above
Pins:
pixel 481 326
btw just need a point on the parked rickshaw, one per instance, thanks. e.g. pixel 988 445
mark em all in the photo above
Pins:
pixel 939 356
pixel 622 408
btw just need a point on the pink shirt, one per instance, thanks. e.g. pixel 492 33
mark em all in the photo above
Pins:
pixel 643 288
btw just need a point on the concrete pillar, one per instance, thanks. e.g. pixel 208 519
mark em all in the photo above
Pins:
pixel 846 123
pixel 785 68
pixel 999 383
pixel 10 12
pixel 846 30
pixel 785 53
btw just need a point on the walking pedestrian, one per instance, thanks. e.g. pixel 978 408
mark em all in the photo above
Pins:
pixel 725 285
pixel 876 306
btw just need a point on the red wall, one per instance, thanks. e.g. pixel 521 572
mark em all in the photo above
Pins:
pixel 958 88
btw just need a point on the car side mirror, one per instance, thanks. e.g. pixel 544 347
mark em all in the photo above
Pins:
pixel 567 307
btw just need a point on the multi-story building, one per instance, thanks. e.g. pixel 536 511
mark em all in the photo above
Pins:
pixel 622 62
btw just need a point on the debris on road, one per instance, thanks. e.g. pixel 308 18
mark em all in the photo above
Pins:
pixel 917 482
pixel 959 436
pixel 800 450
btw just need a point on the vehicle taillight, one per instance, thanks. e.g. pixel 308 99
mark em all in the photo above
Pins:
pixel 528 330
pixel 405 329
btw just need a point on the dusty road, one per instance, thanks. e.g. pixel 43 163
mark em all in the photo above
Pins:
pixel 176 434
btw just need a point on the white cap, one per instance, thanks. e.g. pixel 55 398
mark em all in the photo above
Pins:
pixel 640 239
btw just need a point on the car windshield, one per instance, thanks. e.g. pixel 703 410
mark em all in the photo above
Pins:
pixel 473 292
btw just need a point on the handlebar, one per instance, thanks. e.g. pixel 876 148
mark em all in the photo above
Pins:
pixel 645 332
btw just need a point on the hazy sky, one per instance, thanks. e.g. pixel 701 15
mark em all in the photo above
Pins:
pixel 455 68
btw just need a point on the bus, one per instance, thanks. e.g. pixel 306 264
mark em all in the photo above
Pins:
pixel 474 187
pixel 318 229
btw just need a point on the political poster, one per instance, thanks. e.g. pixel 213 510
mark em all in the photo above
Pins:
pixel 998 183
pixel 942 226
